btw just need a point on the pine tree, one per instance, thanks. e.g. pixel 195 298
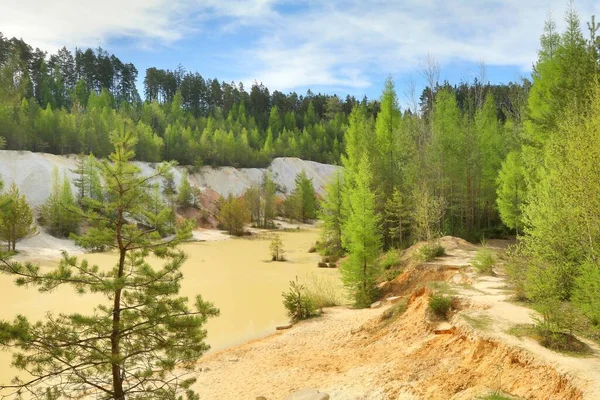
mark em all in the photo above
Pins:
pixel 233 215
pixel 16 219
pixel 268 190
pixel 302 203
pixel 331 214
pixel 143 341
pixel 397 218
pixel 60 214
pixel 511 191
pixel 428 214
pixel 362 238
pixel 81 181
pixel 184 198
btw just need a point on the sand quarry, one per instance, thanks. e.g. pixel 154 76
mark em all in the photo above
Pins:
pixel 365 354
pixel 347 353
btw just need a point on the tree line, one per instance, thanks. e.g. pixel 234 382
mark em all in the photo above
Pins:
pixel 461 167
pixel 69 103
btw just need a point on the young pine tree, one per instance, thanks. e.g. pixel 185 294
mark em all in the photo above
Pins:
pixel 144 340
pixel 302 203
pixel 60 213
pixel 233 215
pixel 332 215
pixel 397 217
pixel 361 238
pixel 511 191
pixel 16 219
pixel 184 198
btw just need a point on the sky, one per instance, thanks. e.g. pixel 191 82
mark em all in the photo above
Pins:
pixel 329 46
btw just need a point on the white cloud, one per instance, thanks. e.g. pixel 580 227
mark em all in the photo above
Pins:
pixel 340 43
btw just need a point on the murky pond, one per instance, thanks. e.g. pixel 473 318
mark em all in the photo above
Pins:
pixel 236 275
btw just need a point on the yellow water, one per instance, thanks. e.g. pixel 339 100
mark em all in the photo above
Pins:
pixel 236 275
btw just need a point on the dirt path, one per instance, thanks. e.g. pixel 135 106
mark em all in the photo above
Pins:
pixel 361 354
pixel 489 294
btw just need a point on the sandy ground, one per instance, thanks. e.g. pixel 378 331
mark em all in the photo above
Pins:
pixel 32 172
pixel 356 354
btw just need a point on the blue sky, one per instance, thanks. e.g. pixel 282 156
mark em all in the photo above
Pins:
pixel 332 46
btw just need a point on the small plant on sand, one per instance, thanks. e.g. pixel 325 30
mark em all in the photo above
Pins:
pixel 298 303
pixel 430 251
pixel 495 396
pixel 324 291
pixel 484 261
pixel 440 305
pixel 276 248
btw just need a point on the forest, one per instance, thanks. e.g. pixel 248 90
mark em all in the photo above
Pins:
pixel 474 160
pixel 460 169
pixel 67 103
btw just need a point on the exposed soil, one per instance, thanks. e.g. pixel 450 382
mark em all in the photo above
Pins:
pixel 365 354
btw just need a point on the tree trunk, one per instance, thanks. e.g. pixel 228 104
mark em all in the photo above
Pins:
pixel 115 337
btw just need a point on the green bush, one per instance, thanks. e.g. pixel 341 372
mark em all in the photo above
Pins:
pixel 298 303
pixel 440 305
pixel 484 261
pixel 323 291
pixel 430 251
pixel 390 259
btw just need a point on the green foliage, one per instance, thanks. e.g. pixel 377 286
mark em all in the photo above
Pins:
pixel 184 197
pixel 302 203
pixel 561 232
pixel 362 238
pixel 143 340
pixel 16 219
pixel 276 249
pixel 158 214
pixel 440 304
pixel 298 303
pixel 60 213
pixel 516 270
pixel 586 296
pixel 390 258
pixel 323 291
pixel 430 251
pixel 511 191
pixel 484 261
pixel 331 213
pixel 397 219
pixel 428 214
pixel 233 215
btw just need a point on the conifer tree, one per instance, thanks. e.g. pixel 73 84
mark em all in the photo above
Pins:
pixel 302 202
pixel 16 219
pixel 268 190
pixel 60 213
pixel 397 217
pixel 362 238
pixel 184 198
pixel 511 191
pixel 233 215
pixel 144 340
pixel 331 213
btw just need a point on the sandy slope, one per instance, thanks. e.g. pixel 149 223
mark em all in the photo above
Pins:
pixel 354 354
pixel 32 172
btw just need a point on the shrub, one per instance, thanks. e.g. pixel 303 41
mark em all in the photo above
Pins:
pixel 298 303
pixel 484 261
pixel 430 251
pixel 516 270
pixel 276 249
pixel 440 305
pixel 323 291
pixel 390 259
